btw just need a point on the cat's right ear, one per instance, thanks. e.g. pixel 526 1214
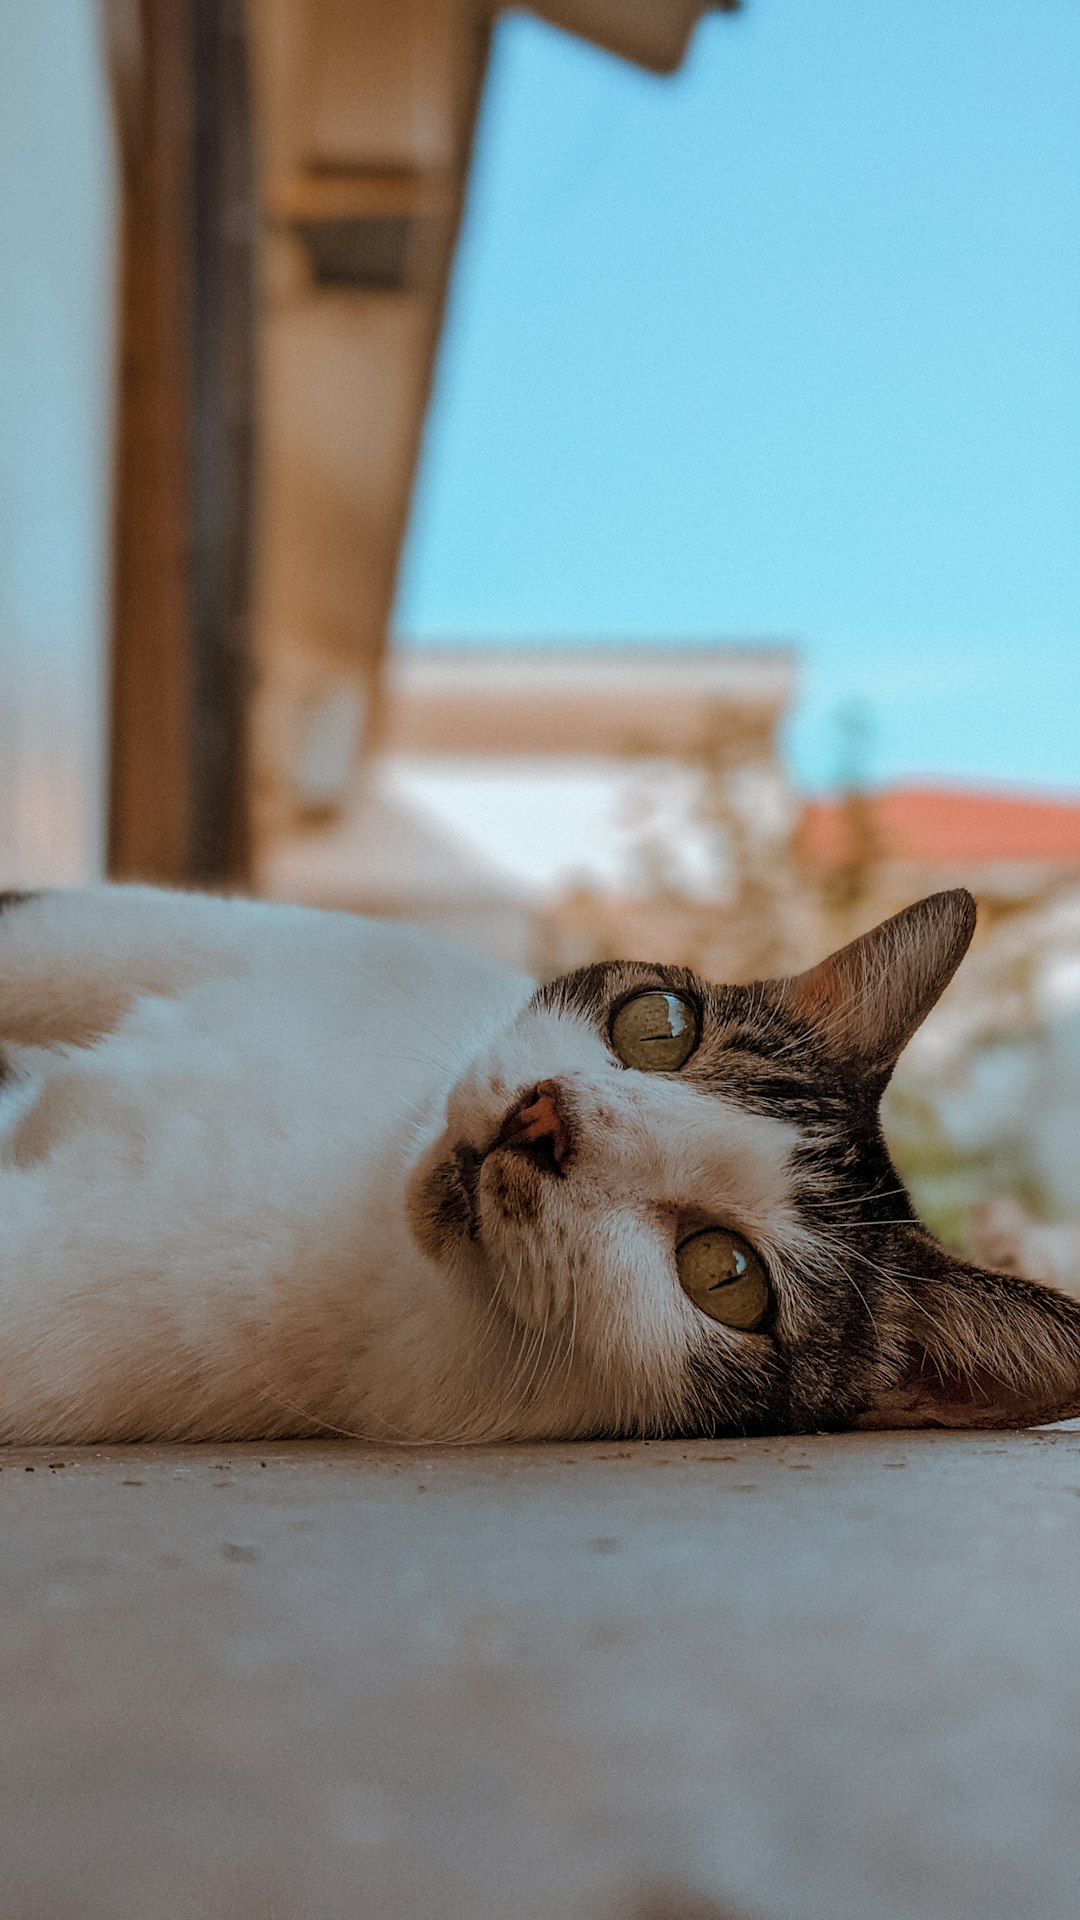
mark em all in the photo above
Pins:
pixel 868 998
pixel 979 1349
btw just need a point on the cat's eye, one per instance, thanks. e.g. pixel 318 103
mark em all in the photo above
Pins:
pixel 655 1031
pixel 723 1276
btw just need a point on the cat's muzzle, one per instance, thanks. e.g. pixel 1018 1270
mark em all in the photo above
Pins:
pixel 534 1143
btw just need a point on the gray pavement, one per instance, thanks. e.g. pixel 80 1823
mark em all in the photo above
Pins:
pixel 829 1679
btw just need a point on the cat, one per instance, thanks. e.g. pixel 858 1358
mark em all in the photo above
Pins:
pixel 267 1171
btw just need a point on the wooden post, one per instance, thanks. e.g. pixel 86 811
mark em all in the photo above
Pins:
pixel 183 465
pixel 223 409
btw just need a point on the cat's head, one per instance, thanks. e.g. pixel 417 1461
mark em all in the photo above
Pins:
pixel 680 1197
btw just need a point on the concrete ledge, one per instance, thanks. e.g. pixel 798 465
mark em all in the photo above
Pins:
pixel 825 1679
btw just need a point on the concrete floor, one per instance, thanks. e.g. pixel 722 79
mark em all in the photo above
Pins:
pixel 832 1679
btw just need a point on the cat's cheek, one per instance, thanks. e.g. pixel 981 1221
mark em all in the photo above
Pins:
pixel 439 1207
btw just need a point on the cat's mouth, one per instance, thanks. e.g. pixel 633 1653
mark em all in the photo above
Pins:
pixel 534 1143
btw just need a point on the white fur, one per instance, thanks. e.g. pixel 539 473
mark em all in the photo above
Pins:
pixel 215 1117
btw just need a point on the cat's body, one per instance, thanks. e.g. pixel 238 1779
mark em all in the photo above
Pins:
pixel 266 1171
pixel 203 1168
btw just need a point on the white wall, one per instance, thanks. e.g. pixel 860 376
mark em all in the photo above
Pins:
pixel 57 202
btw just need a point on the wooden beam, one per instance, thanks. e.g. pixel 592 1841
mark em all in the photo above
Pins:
pixel 178 786
pixel 652 33
pixel 366 115
pixel 346 194
pixel 222 444
pixel 150 801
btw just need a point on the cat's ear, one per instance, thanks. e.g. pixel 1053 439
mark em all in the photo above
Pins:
pixel 868 998
pixel 981 1349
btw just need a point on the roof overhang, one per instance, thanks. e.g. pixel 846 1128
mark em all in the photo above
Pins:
pixel 652 33
pixel 599 701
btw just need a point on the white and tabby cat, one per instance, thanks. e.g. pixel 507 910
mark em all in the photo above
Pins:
pixel 267 1171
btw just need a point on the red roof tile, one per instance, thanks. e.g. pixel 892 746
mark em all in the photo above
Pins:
pixel 948 824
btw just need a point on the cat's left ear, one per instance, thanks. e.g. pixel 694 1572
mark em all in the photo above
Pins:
pixel 980 1349
pixel 867 999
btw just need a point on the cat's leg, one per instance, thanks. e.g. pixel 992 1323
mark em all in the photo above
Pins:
pixel 72 962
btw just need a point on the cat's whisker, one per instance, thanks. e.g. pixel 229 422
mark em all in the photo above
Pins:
pixel 562 1357
pixel 531 1389
pixel 280 1399
pixel 539 1374
pixel 835 1202
pixel 573 1323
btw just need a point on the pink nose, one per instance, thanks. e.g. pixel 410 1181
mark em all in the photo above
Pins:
pixel 538 1126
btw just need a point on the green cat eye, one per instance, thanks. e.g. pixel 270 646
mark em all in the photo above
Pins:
pixel 655 1031
pixel 724 1277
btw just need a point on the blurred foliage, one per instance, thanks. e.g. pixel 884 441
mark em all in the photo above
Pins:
pixel 946 1179
pixel 712 878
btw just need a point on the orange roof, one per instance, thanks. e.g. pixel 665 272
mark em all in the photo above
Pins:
pixel 948 824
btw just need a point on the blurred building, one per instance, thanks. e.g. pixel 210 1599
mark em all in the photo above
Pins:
pixel 874 851
pixel 550 803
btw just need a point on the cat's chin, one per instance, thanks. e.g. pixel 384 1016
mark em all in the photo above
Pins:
pixel 444 1203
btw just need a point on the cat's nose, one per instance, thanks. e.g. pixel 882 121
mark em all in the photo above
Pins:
pixel 538 1126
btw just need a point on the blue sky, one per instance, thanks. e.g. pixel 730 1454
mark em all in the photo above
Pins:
pixel 786 346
